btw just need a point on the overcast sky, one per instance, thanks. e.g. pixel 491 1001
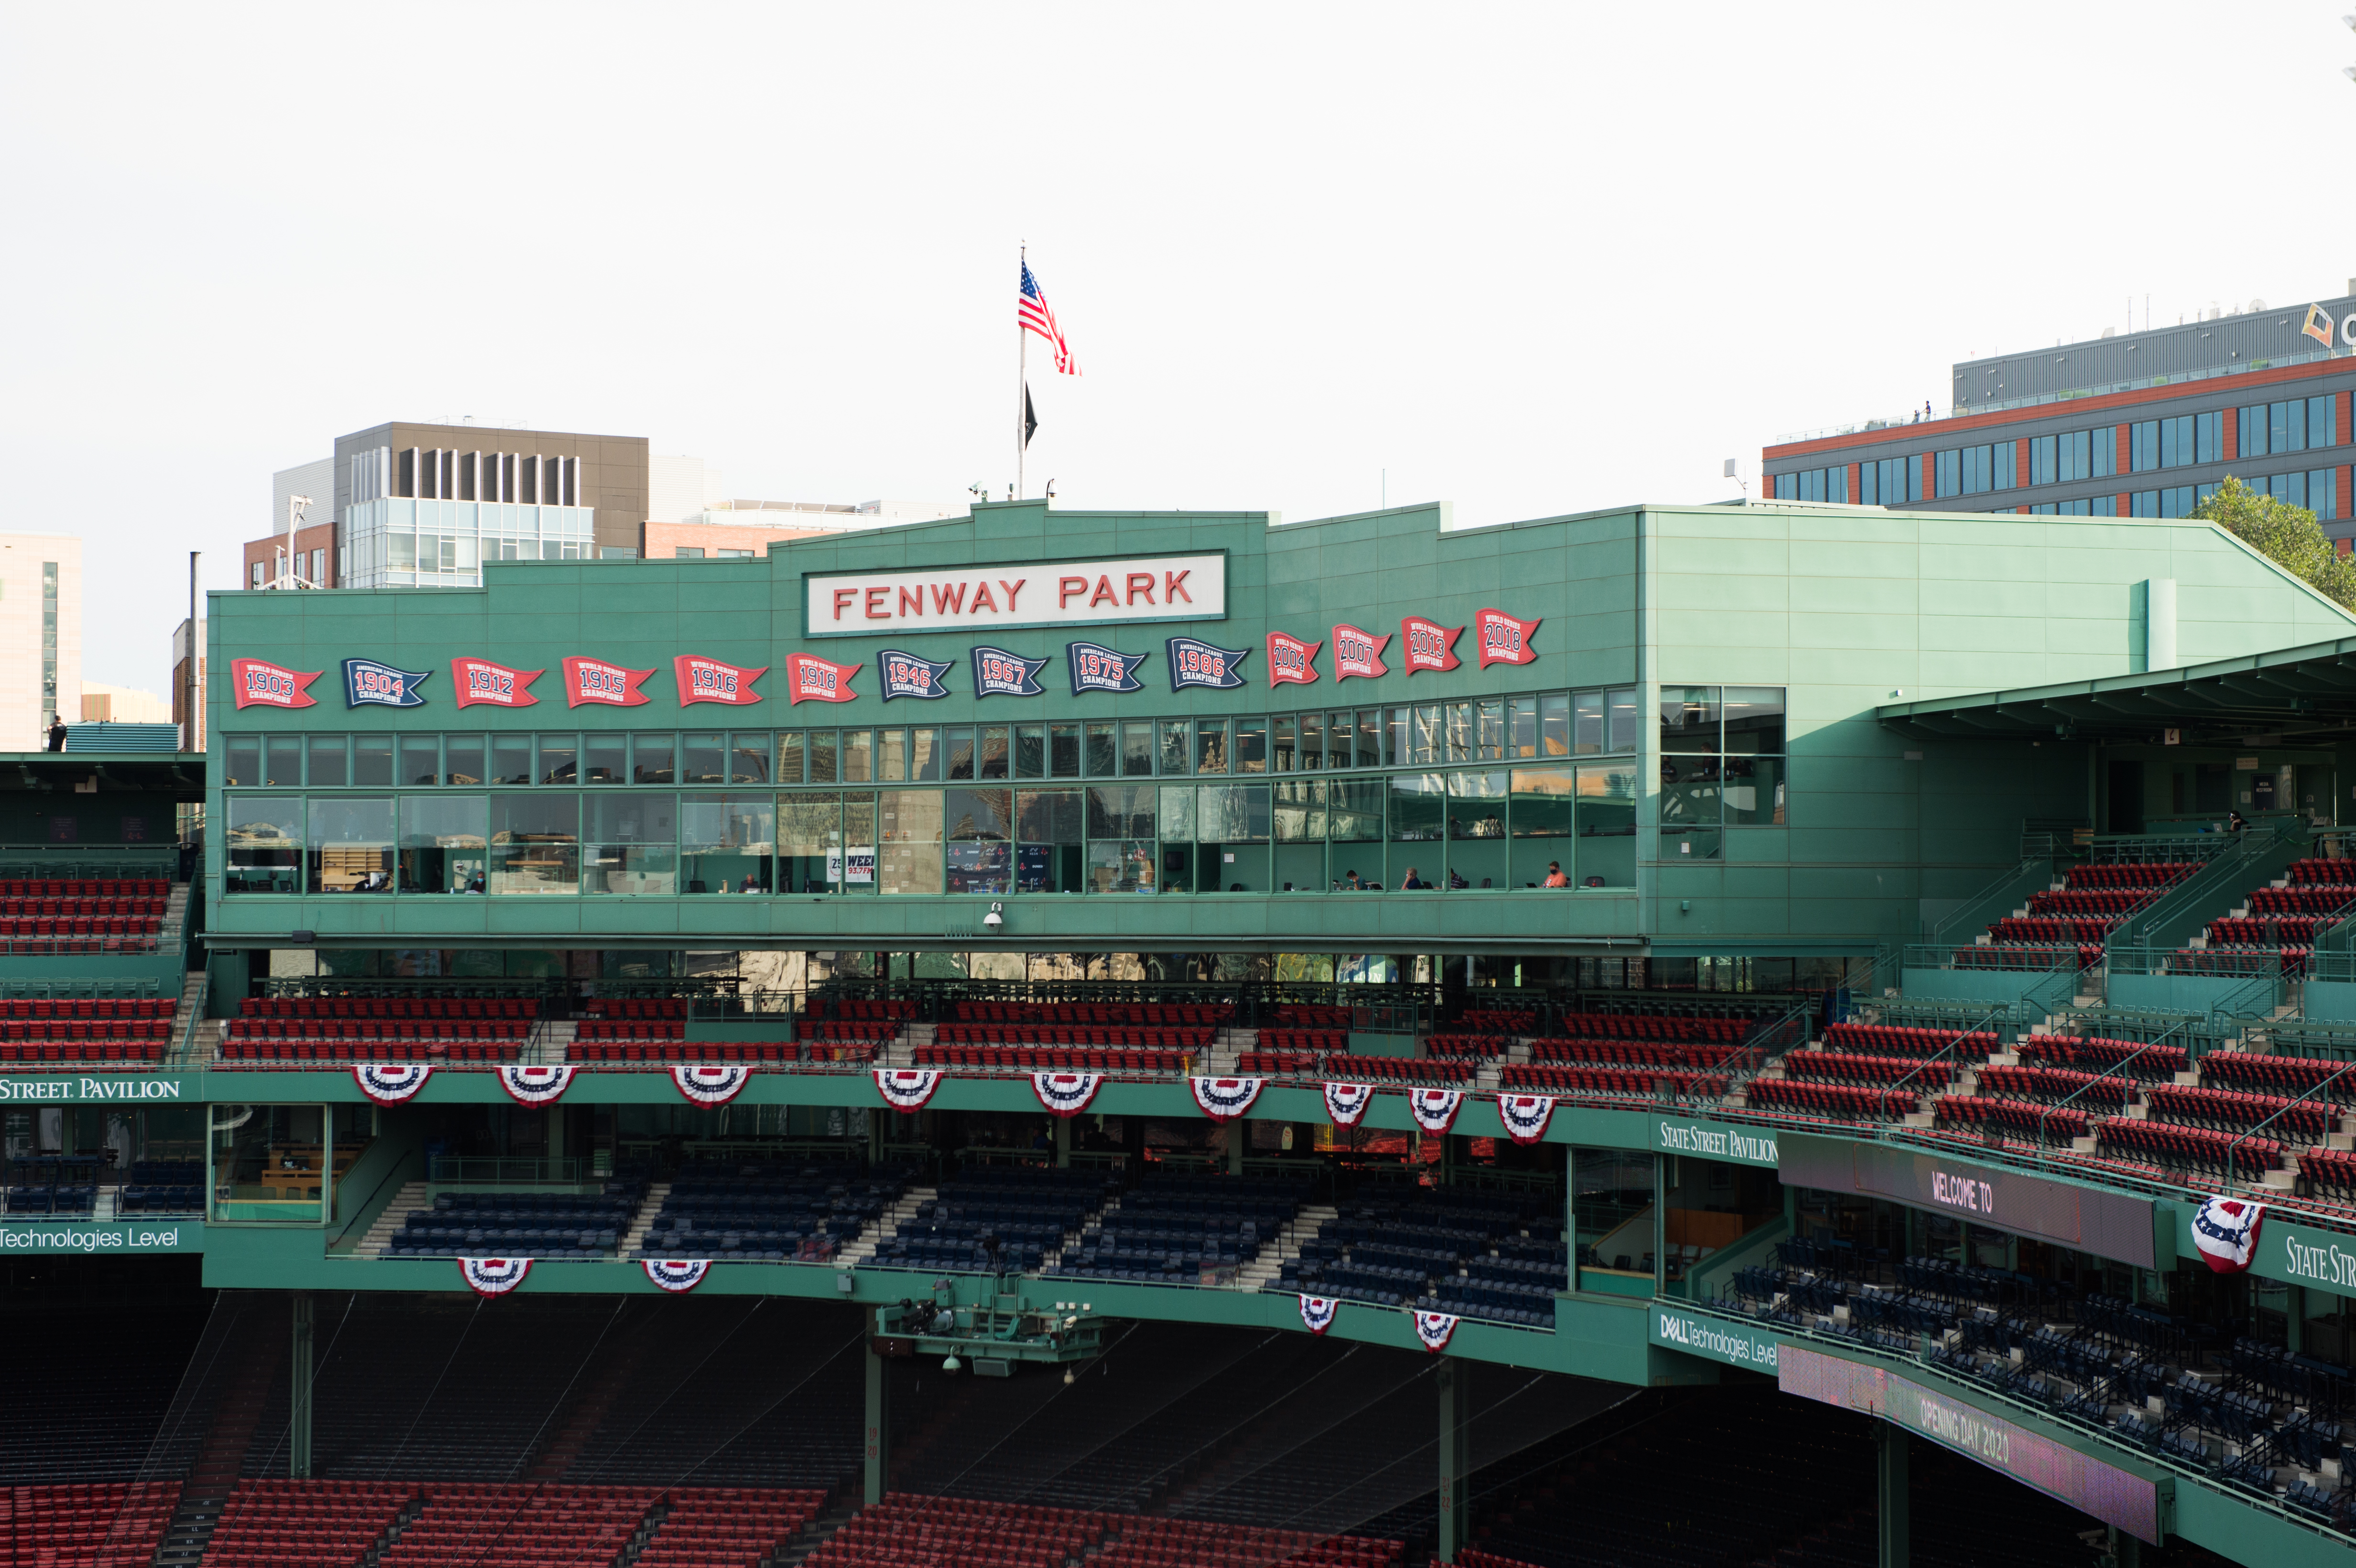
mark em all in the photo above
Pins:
pixel 1529 260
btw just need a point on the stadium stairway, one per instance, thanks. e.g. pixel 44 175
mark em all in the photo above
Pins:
pixel 864 1244
pixel 901 1050
pixel 840 1511
pixel 551 1041
pixel 634 1240
pixel 1261 1272
pixel 391 1219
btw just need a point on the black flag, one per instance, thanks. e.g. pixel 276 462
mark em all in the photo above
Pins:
pixel 1030 418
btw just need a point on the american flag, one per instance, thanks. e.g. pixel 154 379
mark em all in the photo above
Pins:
pixel 1031 309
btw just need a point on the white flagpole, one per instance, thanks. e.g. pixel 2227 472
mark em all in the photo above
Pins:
pixel 1021 373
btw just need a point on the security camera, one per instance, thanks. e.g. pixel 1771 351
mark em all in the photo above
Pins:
pixel 994 920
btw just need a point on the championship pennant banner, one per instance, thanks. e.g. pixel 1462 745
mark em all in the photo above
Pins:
pixel 709 680
pixel 905 675
pixel 1291 661
pixel 1358 654
pixel 259 683
pixel 1429 645
pixel 480 680
pixel 1096 668
pixel 1505 639
pixel 1194 662
pixel 997 673
pixel 368 684
pixel 809 679
pixel 595 681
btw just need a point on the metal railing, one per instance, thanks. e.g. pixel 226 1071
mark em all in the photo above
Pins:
pixel 505 1170
pixel 183 1049
pixel 2225 871
pixel 1996 900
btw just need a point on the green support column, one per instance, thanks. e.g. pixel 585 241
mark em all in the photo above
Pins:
pixel 1455 1459
pixel 1063 1142
pixel 299 1392
pixel 1238 1135
pixel 1892 1524
pixel 878 1427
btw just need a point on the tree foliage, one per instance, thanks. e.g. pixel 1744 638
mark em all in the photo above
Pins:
pixel 2286 535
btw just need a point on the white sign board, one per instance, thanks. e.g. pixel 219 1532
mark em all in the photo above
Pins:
pixel 1123 590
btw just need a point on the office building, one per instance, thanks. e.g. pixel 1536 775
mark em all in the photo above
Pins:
pixel 180 687
pixel 40 634
pixel 2139 424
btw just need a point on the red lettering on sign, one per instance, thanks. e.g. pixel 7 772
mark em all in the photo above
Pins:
pixel 1012 590
pixel 946 602
pixel 843 597
pixel 1103 594
pixel 912 600
pixel 1141 582
pixel 1174 589
pixel 981 596
pixel 1067 586
pixel 875 612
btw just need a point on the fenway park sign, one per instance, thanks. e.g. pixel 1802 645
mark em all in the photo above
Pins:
pixel 1101 592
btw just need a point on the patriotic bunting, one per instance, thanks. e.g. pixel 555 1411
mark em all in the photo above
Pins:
pixel 1346 1103
pixel 493 1276
pixel 1224 1099
pixel 1317 1312
pixel 534 1085
pixel 1435 1109
pixel 2226 1231
pixel 906 1088
pixel 711 1083
pixel 1525 1115
pixel 676 1275
pixel 1435 1329
pixel 1066 1093
pixel 390 1083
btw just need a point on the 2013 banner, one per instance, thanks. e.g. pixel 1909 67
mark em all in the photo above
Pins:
pixel 1429 645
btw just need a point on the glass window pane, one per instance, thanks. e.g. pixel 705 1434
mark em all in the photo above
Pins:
pixel 632 844
pixel 1030 750
pixel 535 844
pixel 604 758
pixel 994 752
pixel 328 762
pixel 1754 720
pixel 1103 760
pixel 701 759
pixel 1211 746
pixel 1625 716
pixel 1476 832
pixel 925 755
pixel 1137 750
pixel 283 760
pixel 1285 753
pixel 1251 746
pixel 1754 792
pixel 1297 813
pixel 1176 753
pixel 909 841
pixel 351 845
pixel 792 753
pixel 809 840
pixel 822 757
pixel 1689 806
pixel 1063 751
pixel 559 761
pixel 1489 727
pixel 421 758
pixel 748 756
pixel 1312 741
pixel 891 756
pixel 980 815
pixel 1589 730
pixel 1340 740
pixel 462 759
pixel 1370 737
pixel 1232 814
pixel 1120 866
pixel 1423 739
pixel 1689 717
pixel 1177 814
pixel 244 759
pixel 1541 802
pixel 1607 825
pixel 1121 811
pixel 1048 817
pixel 859 841
pixel 725 842
pixel 960 751
pixel 444 841
pixel 1522 727
pixel 1354 810
pixel 510 760
pixel 264 843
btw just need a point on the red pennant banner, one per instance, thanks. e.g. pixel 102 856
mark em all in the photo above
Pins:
pixel 480 680
pixel 263 685
pixel 1429 645
pixel 811 679
pixel 595 680
pixel 709 680
pixel 1291 661
pixel 1359 653
pixel 1505 639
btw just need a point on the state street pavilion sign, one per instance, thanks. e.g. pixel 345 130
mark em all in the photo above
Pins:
pixel 1116 590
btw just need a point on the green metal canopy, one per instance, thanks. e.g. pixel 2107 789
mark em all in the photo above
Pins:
pixel 2279 698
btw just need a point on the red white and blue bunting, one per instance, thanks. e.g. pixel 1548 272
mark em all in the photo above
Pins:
pixel 534 1085
pixel 390 1083
pixel 494 1276
pixel 1066 1093
pixel 1435 1109
pixel 1435 1329
pixel 711 1083
pixel 676 1275
pixel 906 1088
pixel 1525 1115
pixel 1317 1312
pixel 1224 1099
pixel 2226 1231
pixel 1346 1103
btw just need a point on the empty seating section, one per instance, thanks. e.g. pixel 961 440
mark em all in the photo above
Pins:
pixel 2187 1149
pixel 1634 1054
pixel 2228 1110
pixel 2130 1057
pixel 2145 878
pixel 1183 1230
pixel 53 1184
pixel 88 1030
pixel 1305 1041
pixel 1398 1070
pixel 2329 1174
pixel 1612 1082
pixel 737 1211
pixel 1475 1048
pixel 1280 1063
pixel 2018 1118
pixel 82 914
pixel 2071 922
pixel 1515 1283
pixel 272 1031
pixel 1833 1101
pixel 1497 1020
pixel 911 1532
pixel 521 1223
pixel 1055 1058
pixel 1911 1039
pixel 1857 1067
pixel 1400 1248
pixel 2086 1090
pixel 1650 1027
pixel 851 1030
pixel 2329 1081
pixel 726 1527
pixel 162 1187
pixel 1025 1212
pixel 2278 931
pixel 87 1524
pixel 297 1524
pixel 491 1526
pixel 1081 1037
pixel 1306 1015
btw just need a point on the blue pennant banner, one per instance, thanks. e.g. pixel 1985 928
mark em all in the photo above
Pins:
pixel 1194 662
pixel 905 675
pixel 1098 668
pixel 997 673
pixel 369 684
